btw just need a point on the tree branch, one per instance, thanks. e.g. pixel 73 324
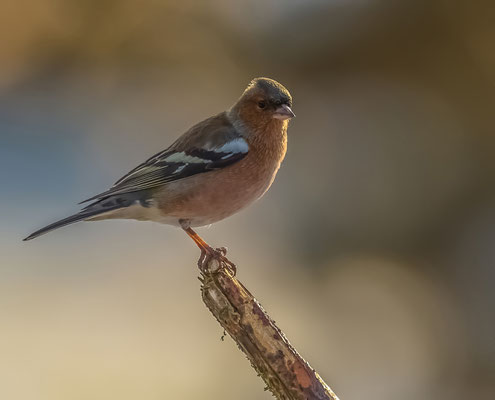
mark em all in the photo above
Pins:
pixel 287 375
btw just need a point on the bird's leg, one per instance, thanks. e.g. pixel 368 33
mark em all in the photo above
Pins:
pixel 208 252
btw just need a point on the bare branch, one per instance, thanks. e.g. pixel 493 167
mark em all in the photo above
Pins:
pixel 287 375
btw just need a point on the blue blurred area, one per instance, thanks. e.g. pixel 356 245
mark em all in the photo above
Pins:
pixel 34 145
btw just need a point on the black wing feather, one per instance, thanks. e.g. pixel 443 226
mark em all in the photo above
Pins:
pixel 201 144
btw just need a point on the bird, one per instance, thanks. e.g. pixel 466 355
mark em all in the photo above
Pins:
pixel 215 169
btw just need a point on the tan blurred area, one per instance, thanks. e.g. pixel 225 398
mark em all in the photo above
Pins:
pixel 374 250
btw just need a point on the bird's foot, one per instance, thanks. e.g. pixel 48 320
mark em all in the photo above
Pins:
pixel 229 264
pixel 219 255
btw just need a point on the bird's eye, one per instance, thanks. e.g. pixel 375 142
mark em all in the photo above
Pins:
pixel 261 104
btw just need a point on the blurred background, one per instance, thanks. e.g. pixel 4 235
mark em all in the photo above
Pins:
pixel 374 250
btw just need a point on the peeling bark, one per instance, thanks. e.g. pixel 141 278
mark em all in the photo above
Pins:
pixel 287 375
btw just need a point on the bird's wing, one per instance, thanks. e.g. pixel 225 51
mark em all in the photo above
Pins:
pixel 210 145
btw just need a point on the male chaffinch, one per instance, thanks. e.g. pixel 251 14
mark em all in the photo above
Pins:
pixel 215 169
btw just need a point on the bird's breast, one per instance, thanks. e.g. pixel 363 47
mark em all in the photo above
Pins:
pixel 212 196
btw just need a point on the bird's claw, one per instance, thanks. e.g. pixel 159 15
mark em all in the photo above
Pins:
pixel 222 251
pixel 219 255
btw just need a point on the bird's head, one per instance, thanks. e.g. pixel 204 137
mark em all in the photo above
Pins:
pixel 264 101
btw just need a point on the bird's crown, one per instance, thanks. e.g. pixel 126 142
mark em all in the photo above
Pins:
pixel 271 89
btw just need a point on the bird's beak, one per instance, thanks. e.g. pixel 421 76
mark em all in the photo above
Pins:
pixel 283 112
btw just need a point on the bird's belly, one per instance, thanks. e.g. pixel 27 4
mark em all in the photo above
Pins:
pixel 210 208
pixel 213 196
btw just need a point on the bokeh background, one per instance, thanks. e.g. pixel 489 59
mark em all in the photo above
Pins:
pixel 374 250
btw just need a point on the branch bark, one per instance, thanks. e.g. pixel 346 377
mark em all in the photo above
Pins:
pixel 286 374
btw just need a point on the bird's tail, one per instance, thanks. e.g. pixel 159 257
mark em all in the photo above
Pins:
pixel 94 209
